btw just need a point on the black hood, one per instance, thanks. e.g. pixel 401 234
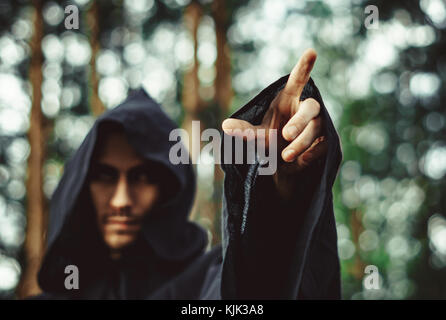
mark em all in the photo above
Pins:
pixel 167 231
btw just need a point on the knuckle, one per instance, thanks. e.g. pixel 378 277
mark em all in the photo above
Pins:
pixel 298 119
pixel 314 106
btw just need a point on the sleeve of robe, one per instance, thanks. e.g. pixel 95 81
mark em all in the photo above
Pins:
pixel 276 249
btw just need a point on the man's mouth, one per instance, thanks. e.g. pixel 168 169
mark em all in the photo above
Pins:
pixel 122 223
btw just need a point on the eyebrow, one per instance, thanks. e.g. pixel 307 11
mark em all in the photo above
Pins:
pixel 103 166
pixel 140 167
pixel 109 168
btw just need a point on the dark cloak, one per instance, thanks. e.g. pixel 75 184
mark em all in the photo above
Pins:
pixel 271 248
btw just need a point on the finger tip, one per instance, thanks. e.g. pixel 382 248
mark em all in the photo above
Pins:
pixel 288 155
pixel 312 52
pixel 287 138
pixel 284 134
pixel 287 160
pixel 311 55
pixel 289 133
pixel 225 125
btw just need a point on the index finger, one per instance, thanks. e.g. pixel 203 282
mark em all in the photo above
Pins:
pixel 300 74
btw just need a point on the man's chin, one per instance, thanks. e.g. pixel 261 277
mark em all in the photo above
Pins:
pixel 118 242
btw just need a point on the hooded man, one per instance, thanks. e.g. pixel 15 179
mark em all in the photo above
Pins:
pixel 119 215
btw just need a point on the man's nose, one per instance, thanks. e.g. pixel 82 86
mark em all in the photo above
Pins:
pixel 121 198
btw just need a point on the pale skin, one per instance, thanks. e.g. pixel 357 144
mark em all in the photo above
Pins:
pixel 300 141
pixel 122 193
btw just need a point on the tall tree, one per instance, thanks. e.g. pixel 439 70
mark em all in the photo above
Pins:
pixel 96 105
pixel 191 99
pixel 223 93
pixel 212 111
pixel 34 246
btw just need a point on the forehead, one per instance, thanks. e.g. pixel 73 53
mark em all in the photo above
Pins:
pixel 115 150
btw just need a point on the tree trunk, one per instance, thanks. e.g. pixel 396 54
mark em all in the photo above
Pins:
pixel 208 212
pixel 34 246
pixel 191 99
pixel 223 95
pixel 223 86
pixel 96 105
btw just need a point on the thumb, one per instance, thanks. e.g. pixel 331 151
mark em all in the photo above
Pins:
pixel 239 128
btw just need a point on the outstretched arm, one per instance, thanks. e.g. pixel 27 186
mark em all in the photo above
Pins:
pixel 279 230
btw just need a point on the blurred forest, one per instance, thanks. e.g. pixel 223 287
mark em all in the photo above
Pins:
pixel 203 59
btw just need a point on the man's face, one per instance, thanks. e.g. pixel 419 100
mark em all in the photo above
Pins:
pixel 122 192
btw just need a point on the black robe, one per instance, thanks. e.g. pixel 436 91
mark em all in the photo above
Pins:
pixel 271 248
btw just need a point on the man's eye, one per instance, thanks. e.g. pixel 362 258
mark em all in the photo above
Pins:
pixel 102 176
pixel 140 176
pixel 106 177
